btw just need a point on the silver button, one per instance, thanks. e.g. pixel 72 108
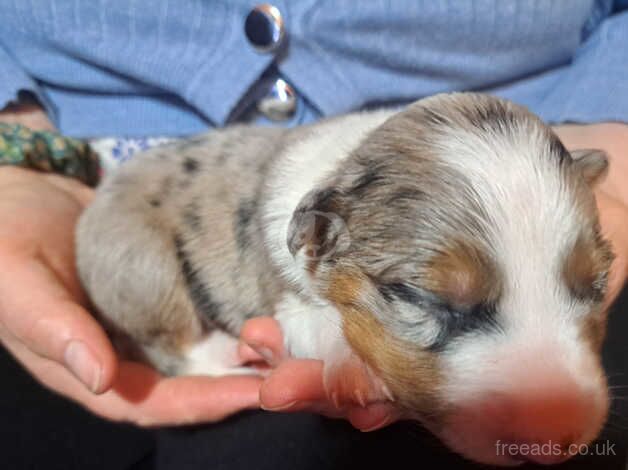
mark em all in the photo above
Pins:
pixel 280 103
pixel 264 28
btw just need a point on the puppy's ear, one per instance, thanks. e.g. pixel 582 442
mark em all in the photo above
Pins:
pixel 592 164
pixel 317 225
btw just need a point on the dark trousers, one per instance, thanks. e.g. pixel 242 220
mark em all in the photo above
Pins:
pixel 41 431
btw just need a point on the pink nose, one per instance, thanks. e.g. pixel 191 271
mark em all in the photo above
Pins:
pixel 542 426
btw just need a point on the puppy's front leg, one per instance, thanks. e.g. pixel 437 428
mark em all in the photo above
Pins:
pixel 315 332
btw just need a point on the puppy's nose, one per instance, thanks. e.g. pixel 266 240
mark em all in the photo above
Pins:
pixel 543 426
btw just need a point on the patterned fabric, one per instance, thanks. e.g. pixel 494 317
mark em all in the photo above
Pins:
pixel 48 151
pixel 116 150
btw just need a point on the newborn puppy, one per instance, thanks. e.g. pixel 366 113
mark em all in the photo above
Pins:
pixel 447 256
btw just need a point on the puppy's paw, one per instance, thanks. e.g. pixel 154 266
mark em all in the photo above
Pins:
pixel 216 355
pixel 351 382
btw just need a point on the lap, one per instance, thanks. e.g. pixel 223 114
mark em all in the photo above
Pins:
pixel 41 430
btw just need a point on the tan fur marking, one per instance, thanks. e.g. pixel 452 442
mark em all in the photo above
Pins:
pixel 593 330
pixel 410 373
pixel 463 276
pixel 586 264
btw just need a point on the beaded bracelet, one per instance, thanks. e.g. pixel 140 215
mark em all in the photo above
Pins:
pixel 49 152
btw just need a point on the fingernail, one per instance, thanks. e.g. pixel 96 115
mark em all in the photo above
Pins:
pixel 283 406
pixel 266 353
pixel 81 362
pixel 263 351
pixel 380 424
pixel 359 396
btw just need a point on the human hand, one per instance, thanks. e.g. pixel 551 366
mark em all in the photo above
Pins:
pixel 45 325
pixel 296 385
pixel 30 115
pixel 611 194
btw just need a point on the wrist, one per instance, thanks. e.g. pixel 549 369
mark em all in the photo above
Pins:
pixel 48 152
pixel 12 177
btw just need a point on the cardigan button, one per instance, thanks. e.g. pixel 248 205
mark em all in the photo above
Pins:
pixel 280 103
pixel 264 28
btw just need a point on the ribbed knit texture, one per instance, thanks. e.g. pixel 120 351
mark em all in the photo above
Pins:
pixel 173 67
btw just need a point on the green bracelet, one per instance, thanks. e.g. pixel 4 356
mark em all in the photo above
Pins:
pixel 48 151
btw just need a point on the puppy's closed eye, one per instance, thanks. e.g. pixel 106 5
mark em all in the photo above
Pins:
pixel 453 320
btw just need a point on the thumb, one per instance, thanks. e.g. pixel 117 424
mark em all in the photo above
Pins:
pixel 38 311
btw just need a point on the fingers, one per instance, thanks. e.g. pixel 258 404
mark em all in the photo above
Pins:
pixel 247 354
pixel 349 381
pixel 294 385
pixel 372 417
pixel 297 385
pixel 37 311
pixel 263 335
pixel 149 399
pixel 141 396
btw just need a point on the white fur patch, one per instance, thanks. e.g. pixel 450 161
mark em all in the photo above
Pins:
pixel 216 355
pixel 311 331
pixel 533 218
pixel 299 170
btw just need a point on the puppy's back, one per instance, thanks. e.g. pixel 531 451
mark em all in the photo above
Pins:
pixel 179 228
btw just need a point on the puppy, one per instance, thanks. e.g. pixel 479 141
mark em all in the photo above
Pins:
pixel 447 255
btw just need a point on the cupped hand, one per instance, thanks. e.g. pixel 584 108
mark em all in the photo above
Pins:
pixel 45 325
